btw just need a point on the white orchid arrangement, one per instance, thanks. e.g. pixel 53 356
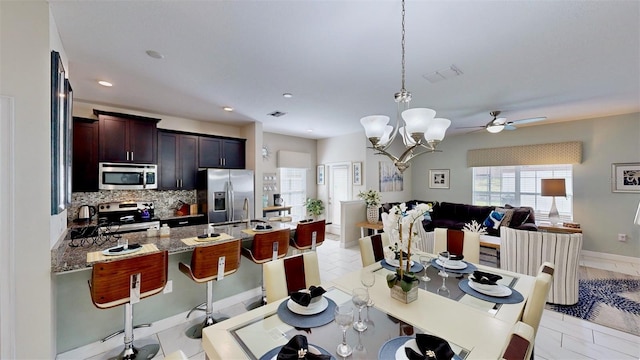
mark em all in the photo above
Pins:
pixel 399 224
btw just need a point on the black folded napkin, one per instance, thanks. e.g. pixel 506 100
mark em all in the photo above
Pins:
pixel 431 347
pixel 297 348
pixel 121 248
pixel 486 278
pixel 304 298
pixel 455 257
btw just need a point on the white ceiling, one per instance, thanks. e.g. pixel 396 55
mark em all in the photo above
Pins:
pixel 565 60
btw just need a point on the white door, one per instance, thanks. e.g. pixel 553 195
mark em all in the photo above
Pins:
pixel 339 186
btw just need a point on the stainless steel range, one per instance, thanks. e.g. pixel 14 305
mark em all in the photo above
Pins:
pixel 126 216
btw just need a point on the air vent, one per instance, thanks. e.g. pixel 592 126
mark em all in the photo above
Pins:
pixel 277 113
pixel 443 74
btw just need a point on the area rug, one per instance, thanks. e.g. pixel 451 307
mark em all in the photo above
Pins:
pixel 606 298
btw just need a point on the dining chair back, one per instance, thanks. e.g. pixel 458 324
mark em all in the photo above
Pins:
pixel 534 306
pixel 290 274
pixel 466 243
pixel 209 263
pixel 519 345
pixel 308 235
pixel 124 282
pixel 372 248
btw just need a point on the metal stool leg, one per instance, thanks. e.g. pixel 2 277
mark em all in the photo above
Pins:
pixel 131 351
pixel 195 332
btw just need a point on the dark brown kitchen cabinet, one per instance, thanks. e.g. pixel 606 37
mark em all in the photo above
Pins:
pixel 127 138
pixel 221 153
pixel 178 161
pixel 85 155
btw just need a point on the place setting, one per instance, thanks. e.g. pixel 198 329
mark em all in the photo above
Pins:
pixel 297 348
pixel 422 346
pixel 122 248
pixel 392 263
pixel 307 308
pixel 453 263
pixel 485 286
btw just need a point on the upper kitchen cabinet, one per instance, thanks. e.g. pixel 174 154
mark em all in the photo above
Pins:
pixel 127 138
pixel 178 160
pixel 221 153
pixel 85 155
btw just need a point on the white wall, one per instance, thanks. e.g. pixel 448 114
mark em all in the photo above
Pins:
pixel 601 213
pixel 25 75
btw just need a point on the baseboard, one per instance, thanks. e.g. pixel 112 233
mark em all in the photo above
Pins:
pixel 614 257
pixel 99 347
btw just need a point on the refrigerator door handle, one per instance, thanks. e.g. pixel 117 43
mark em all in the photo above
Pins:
pixel 231 201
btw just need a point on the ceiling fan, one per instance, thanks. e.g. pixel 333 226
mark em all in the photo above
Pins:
pixel 497 124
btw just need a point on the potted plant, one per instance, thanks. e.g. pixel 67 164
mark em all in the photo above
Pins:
pixel 314 207
pixel 372 199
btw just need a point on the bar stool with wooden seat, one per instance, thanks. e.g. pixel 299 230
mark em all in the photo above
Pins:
pixel 124 282
pixel 267 246
pixel 308 235
pixel 209 263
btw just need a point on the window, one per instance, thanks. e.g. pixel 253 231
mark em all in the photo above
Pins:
pixel 293 189
pixel 520 186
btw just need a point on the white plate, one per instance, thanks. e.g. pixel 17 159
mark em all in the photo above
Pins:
pixel 319 307
pixel 499 291
pixel 123 252
pixel 455 265
pixel 396 263
pixel 401 355
pixel 478 285
pixel 262 230
pixel 312 349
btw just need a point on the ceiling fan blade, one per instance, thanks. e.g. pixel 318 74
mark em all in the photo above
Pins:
pixel 469 127
pixel 527 121
pixel 509 127
pixel 499 121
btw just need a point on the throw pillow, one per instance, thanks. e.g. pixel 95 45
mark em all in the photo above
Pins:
pixel 493 220
pixel 508 214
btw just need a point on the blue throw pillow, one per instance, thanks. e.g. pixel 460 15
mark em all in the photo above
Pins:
pixel 493 220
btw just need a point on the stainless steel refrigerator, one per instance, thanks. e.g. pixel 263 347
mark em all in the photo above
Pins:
pixel 225 196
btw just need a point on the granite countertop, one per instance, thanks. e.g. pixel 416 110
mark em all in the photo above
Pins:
pixel 71 255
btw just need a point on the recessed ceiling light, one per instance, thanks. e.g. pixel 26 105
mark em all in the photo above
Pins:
pixel 227 108
pixel 287 95
pixel 154 54
pixel 309 130
pixel 105 83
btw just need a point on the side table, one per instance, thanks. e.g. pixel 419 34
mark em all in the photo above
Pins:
pixel 377 227
pixel 558 229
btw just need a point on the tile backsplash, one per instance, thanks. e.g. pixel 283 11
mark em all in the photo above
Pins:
pixel 164 201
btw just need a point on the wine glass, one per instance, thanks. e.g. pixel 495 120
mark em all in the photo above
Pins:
pixel 443 290
pixel 344 319
pixel 425 260
pixel 368 279
pixel 360 298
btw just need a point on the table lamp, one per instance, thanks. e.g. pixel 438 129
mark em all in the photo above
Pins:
pixel 553 187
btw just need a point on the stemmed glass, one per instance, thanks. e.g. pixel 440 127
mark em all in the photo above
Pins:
pixel 344 319
pixel 443 290
pixel 425 260
pixel 360 298
pixel 368 279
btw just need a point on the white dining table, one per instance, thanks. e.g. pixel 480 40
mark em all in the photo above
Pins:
pixel 477 326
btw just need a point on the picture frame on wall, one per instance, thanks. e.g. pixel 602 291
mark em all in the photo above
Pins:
pixel 625 177
pixel 439 179
pixel 357 173
pixel 320 175
pixel 390 178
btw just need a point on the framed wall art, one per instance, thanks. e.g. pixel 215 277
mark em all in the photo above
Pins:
pixel 390 178
pixel 625 177
pixel 439 179
pixel 357 173
pixel 320 175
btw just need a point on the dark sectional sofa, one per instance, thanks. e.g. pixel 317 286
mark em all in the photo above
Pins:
pixel 455 216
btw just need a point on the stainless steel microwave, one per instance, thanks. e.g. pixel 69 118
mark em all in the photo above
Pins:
pixel 115 176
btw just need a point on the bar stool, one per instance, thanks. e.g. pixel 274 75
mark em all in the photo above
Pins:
pixel 209 263
pixel 308 235
pixel 266 247
pixel 125 282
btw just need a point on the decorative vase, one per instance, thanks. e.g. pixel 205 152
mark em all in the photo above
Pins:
pixel 372 214
pixel 405 296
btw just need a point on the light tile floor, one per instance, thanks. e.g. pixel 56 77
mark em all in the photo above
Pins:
pixel 559 336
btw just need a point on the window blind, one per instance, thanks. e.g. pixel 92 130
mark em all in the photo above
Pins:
pixel 540 154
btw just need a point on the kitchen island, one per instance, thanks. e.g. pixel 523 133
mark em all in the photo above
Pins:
pixel 79 322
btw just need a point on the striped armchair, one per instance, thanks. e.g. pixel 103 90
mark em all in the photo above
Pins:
pixel 524 251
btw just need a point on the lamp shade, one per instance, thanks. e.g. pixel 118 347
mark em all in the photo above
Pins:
pixel 553 187
pixel 437 129
pixel 407 139
pixel 495 128
pixel 374 125
pixel 418 120
pixel 637 219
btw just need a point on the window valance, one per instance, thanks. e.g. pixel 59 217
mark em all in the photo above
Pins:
pixel 539 154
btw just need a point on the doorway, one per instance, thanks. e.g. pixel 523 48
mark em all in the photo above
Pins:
pixel 339 187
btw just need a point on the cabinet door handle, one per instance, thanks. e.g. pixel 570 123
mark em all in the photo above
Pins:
pixel 224 161
pixel 132 156
pixel 183 222
pixel 177 183
pixel 127 155
pixel 180 182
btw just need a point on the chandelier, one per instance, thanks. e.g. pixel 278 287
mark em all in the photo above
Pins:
pixel 419 129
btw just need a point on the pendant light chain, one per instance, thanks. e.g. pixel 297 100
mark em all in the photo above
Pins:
pixel 402 88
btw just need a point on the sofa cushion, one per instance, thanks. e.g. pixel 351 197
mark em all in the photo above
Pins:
pixel 493 220
pixel 508 215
